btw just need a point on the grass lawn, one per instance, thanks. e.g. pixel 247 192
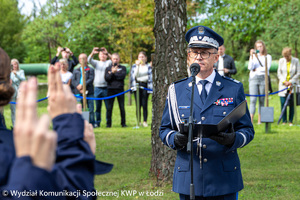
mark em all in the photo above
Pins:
pixel 270 163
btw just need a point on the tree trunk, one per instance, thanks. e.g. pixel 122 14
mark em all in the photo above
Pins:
pixel 169 65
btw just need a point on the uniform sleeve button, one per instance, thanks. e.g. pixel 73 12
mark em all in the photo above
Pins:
pixel 178 167
pixel 205 160
pixel 204 146
pixel 202 118
pixel 235 168
pixel 182 115
pixel 224 113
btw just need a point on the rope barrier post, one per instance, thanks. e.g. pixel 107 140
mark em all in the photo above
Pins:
pixel 266 90
pixel 137 105
pixel 84 88
pixel 295 88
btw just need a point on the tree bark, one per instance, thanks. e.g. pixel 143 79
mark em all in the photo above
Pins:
pixel 169 65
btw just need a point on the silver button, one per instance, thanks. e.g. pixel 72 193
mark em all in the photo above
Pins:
pixel 182 115
pixel 204 146
pixel 235 168
pixel 205 160
pixel 178 167
pixel 203 118
pixel 224 113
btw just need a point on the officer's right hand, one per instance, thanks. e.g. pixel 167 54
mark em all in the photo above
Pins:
pixel 180 140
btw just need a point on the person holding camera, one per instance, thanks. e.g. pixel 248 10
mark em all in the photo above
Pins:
pixel 66 53
pixel 256 66
pixel 100 84
pixel 115 75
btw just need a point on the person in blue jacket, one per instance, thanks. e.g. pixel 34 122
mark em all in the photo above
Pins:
pixel 218 174
pixel 37 159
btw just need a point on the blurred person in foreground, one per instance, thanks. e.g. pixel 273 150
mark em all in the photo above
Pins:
pixel 35 158
pixel 217 171
pixel 17 75
pixel 288 73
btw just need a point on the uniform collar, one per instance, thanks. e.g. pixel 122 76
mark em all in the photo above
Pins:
pixel 210 78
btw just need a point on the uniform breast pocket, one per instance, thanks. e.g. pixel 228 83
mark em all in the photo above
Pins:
pixel 220 112
pixel 184 113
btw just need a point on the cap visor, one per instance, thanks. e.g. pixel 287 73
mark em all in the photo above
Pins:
pixel 195 45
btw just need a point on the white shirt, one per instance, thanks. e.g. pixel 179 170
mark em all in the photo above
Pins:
pixel 208 85
pixel 254 64
pixel 66 77
pixel 221 65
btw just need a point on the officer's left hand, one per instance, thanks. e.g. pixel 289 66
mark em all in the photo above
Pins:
pixel 223 138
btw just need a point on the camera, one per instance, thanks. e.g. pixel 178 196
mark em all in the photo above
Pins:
pixel 256 51
pixel 64 49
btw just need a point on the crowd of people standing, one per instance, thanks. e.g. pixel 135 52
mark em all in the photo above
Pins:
pixel 105 80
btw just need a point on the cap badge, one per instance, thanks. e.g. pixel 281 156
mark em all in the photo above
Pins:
pixel 201 30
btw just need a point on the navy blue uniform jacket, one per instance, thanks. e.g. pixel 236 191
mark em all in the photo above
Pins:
pixel 74 168
pixel 221 172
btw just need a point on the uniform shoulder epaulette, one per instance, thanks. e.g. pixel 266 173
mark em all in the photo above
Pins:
pixel 180 80
pixel 231 79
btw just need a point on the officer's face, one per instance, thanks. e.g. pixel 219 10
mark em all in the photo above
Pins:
pixel 206 64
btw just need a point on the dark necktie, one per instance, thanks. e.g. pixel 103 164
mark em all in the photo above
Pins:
pixel 203 94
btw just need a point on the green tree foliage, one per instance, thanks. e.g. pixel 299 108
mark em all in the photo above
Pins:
pixel 119 25
pixel 241 23
pixel 134 28
pixel 44 33
pixel 88 24
pixel 11 26
pixel 283 28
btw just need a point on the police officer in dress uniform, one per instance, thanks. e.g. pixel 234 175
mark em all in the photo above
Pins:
pixel 218 175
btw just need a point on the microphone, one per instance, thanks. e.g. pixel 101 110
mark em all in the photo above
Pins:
pixel 195 69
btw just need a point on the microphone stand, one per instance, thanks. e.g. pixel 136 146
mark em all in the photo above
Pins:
pixel 190 141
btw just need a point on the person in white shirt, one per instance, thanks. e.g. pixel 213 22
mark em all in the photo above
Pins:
pixel 256 66
pixel 100 84
pixel 225 65
pixel 66 76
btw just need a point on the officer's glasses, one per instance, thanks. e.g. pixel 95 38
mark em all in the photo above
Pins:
pixel 203 54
